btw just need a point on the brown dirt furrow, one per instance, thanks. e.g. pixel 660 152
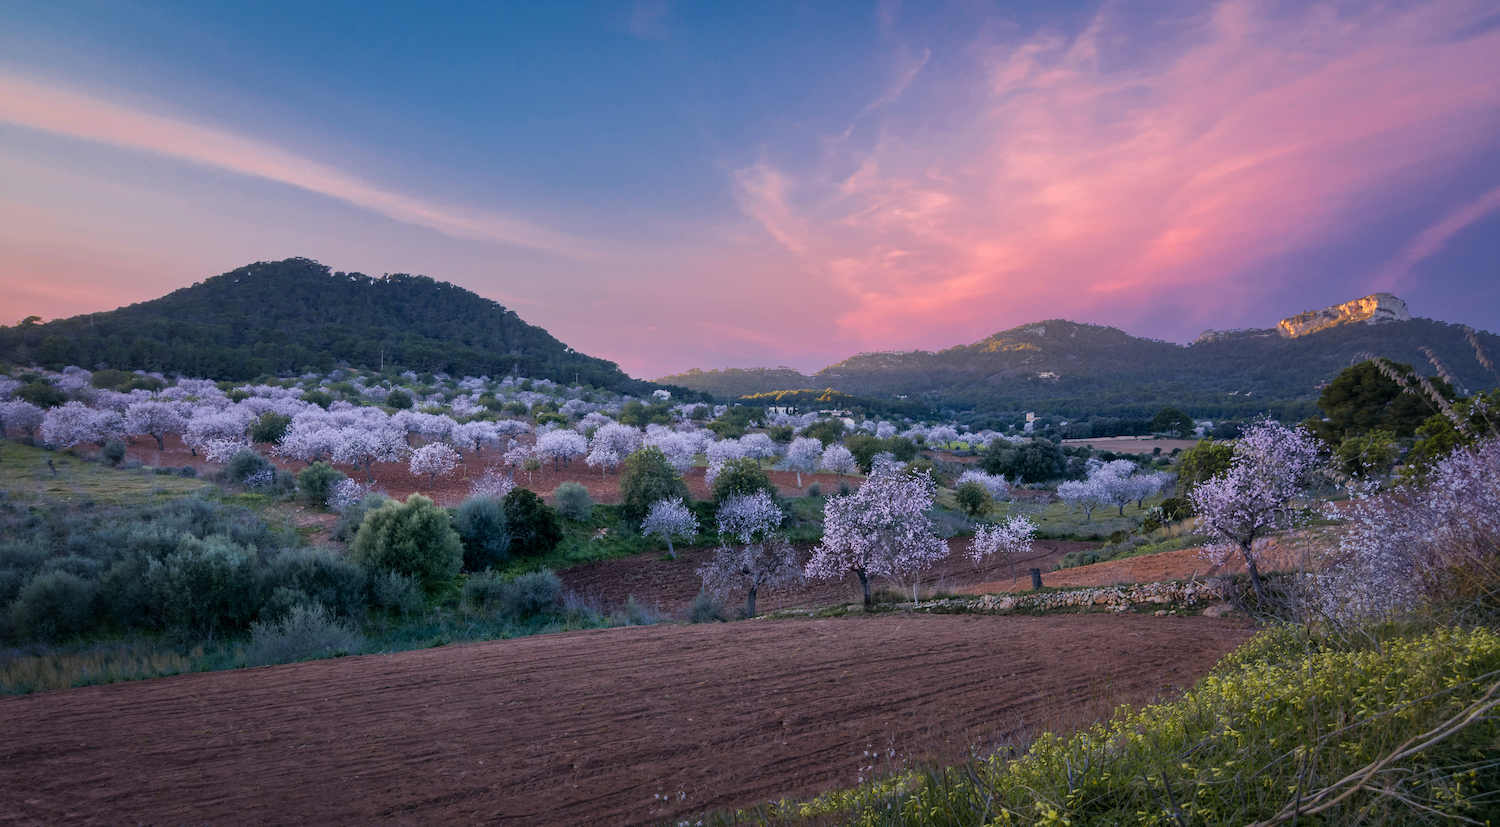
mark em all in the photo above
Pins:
pixel 623 726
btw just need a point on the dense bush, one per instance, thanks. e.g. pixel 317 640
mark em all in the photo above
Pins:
pixel 573 501
pixel 647 477
pixel 52 606
pixel 413 538
pixel 331 581
pixel 484 592
pixel 269 427
pixel 398 399
pixel 304 633
pixel 530 594
pixel 742 477
pixel 973 499
pixel 245 465
pixel 484 532
pixel 352 517
pixel 206 585
pixel 706 608
pixel 396 593
pixel 534 527
pixel 113 452
pixel 316 482
pixel 537 592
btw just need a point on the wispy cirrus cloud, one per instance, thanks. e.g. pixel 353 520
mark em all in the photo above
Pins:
pixel 64 112
pixel 1085 180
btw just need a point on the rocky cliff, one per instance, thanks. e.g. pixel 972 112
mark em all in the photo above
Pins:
pixel 1375 308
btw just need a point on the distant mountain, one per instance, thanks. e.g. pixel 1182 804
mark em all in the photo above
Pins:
pixel 279 317
pixel 1069 369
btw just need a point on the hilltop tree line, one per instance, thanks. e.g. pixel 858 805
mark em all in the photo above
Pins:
pixel 295 316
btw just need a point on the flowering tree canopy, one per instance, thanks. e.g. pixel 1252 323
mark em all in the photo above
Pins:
pixel 1272 464
pixel 74 422
pixel 18 413
pixel 1403 546
pixel 155 418
pixel 492 485
pixel 364 445
pixel 757 446
pixel 881 529
pixel 803 455
pixel 475 436
pixel 1009 540
pixel 996 484
pixel 434 459
pixel 1085 494
pixel 764 558
pixel 561 445
pixel 839 460
pixel 667 519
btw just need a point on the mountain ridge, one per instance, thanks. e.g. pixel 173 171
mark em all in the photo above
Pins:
pixel 1072 368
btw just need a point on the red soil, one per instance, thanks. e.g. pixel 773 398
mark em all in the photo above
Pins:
pixel 625 726
pixel 672 584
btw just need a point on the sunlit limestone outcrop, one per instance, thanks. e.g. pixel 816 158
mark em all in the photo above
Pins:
pixel 1375 308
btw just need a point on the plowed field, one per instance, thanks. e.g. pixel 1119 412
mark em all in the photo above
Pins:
pixel 623 726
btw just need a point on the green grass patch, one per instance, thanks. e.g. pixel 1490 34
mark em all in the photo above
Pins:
pixel 23 470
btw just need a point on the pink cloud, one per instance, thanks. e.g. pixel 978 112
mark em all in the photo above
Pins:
pixel 1080 189
pixel 42 107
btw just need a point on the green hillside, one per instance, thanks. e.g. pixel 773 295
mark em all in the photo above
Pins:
pixel 1067 369
pixel 280 317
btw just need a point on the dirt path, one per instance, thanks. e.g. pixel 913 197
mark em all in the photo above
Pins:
pixel 623 726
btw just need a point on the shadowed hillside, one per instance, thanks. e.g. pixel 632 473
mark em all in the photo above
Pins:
pixel 1070 369
pixel 281 317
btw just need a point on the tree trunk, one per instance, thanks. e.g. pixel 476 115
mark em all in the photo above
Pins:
pixel 160 446
pixel 799 480
pixel 670 551
pixel 864 581
pixel 750 604
pixel 1260 592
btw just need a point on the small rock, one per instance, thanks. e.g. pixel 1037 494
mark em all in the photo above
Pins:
pixel 1160 613
pixel 1218 610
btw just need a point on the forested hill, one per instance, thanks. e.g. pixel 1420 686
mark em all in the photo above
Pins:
pixel 275 317
pixel 1071 370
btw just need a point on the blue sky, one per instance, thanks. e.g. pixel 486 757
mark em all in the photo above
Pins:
pixel 676 185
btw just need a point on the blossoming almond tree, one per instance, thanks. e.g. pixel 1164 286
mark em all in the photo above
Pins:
pixel 667 519
pixel 803 455
pixel 1009 540
pixel 764 558
pixel 363 446
pixel 1272 464
pixel 434 459
pixel 881 529
pixel 839 460
pixel 155 418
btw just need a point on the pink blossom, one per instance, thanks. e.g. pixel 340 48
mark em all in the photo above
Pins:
pixel 881 529
pixel 669 518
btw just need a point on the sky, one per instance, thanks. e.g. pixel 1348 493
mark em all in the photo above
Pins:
pixel 673 185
